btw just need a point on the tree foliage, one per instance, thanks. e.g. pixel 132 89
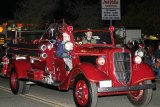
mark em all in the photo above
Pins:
pixel 144 15
pixel 85 13
pixel 82 13
pixel 36 11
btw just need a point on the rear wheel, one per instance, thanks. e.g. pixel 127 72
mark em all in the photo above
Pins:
pixel 15 84
pixel 141 97
pixel 26 88
pixel 85 92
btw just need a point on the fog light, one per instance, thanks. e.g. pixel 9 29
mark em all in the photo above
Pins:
pixel 101 60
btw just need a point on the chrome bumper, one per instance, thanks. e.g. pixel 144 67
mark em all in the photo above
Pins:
pixel 126 88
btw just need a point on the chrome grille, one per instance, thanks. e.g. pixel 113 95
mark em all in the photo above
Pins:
pixel 122 66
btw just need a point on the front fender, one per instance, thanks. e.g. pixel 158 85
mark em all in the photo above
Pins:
pixel 91 72
pixel 142 72
pixel 21 67
pixel 88 70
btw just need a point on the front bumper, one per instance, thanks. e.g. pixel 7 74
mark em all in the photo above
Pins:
pixel 127 88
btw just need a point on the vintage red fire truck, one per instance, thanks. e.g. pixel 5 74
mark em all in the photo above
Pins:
pixel 98 69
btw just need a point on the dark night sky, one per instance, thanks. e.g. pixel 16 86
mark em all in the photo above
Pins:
pixel 7 8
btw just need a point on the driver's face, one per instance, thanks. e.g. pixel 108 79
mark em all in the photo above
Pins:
pixel 88 34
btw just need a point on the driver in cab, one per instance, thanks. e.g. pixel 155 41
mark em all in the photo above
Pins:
pixel 88 39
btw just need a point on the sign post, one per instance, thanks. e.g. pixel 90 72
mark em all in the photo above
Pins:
pixel 111 10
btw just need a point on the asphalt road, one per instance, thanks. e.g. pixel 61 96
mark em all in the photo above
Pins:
pixel 41 96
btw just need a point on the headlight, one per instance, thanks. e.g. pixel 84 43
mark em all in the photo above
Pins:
pixel 101 61
pixel 43 55
pixel 68 46
pixel 43 47
pixel 140 53
pixel 137 59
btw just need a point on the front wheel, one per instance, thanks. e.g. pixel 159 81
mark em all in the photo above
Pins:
pixel 15 84
pixel 85 92
pixel 141 97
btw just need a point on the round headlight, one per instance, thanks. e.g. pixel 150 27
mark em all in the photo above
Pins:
pixel 101 61
pixel 68 46
pixel 137 59
pixel 140 53
pixel 43 47
pixel 43 55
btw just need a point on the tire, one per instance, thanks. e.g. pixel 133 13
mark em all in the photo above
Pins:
pixel 84 92
pixel 141 97
pixel 26 88
pixel 15 84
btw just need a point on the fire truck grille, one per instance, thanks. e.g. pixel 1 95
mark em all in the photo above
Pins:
pixel 122 67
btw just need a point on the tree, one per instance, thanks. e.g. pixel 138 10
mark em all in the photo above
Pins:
pixel 144 15
pixel 84 13
pixel 36 11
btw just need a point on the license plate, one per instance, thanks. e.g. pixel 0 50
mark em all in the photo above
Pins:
pixel 106 83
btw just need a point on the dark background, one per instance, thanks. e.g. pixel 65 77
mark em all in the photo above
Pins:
pixel 142 14
pixel 7 8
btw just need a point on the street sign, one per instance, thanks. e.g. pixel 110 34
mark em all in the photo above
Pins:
pixel 111 10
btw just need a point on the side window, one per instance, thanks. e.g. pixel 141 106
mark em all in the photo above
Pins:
pixel 104 38
pixel 10 37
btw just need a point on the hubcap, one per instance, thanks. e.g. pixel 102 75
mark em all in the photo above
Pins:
pixel 137 94
pixel 81 92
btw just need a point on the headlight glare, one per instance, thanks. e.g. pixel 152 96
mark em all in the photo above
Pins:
pixel 68 46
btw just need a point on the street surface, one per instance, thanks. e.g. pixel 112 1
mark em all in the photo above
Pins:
pixel 41 96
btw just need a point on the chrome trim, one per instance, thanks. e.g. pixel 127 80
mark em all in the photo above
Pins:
pixel 127 88
pixel 122 67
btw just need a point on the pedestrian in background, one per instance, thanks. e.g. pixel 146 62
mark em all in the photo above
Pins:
pixel 156 65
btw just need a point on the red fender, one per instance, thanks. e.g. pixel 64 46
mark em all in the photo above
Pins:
pixel 142 72
pixel 89 70
pixel 92 73
pixel 21 67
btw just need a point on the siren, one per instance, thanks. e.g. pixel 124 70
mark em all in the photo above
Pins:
pixel 70 28
pixel 111 28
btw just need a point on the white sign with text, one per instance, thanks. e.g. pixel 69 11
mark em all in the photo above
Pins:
pixel 111 10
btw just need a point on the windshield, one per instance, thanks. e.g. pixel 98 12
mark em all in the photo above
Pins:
pixel 92 37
